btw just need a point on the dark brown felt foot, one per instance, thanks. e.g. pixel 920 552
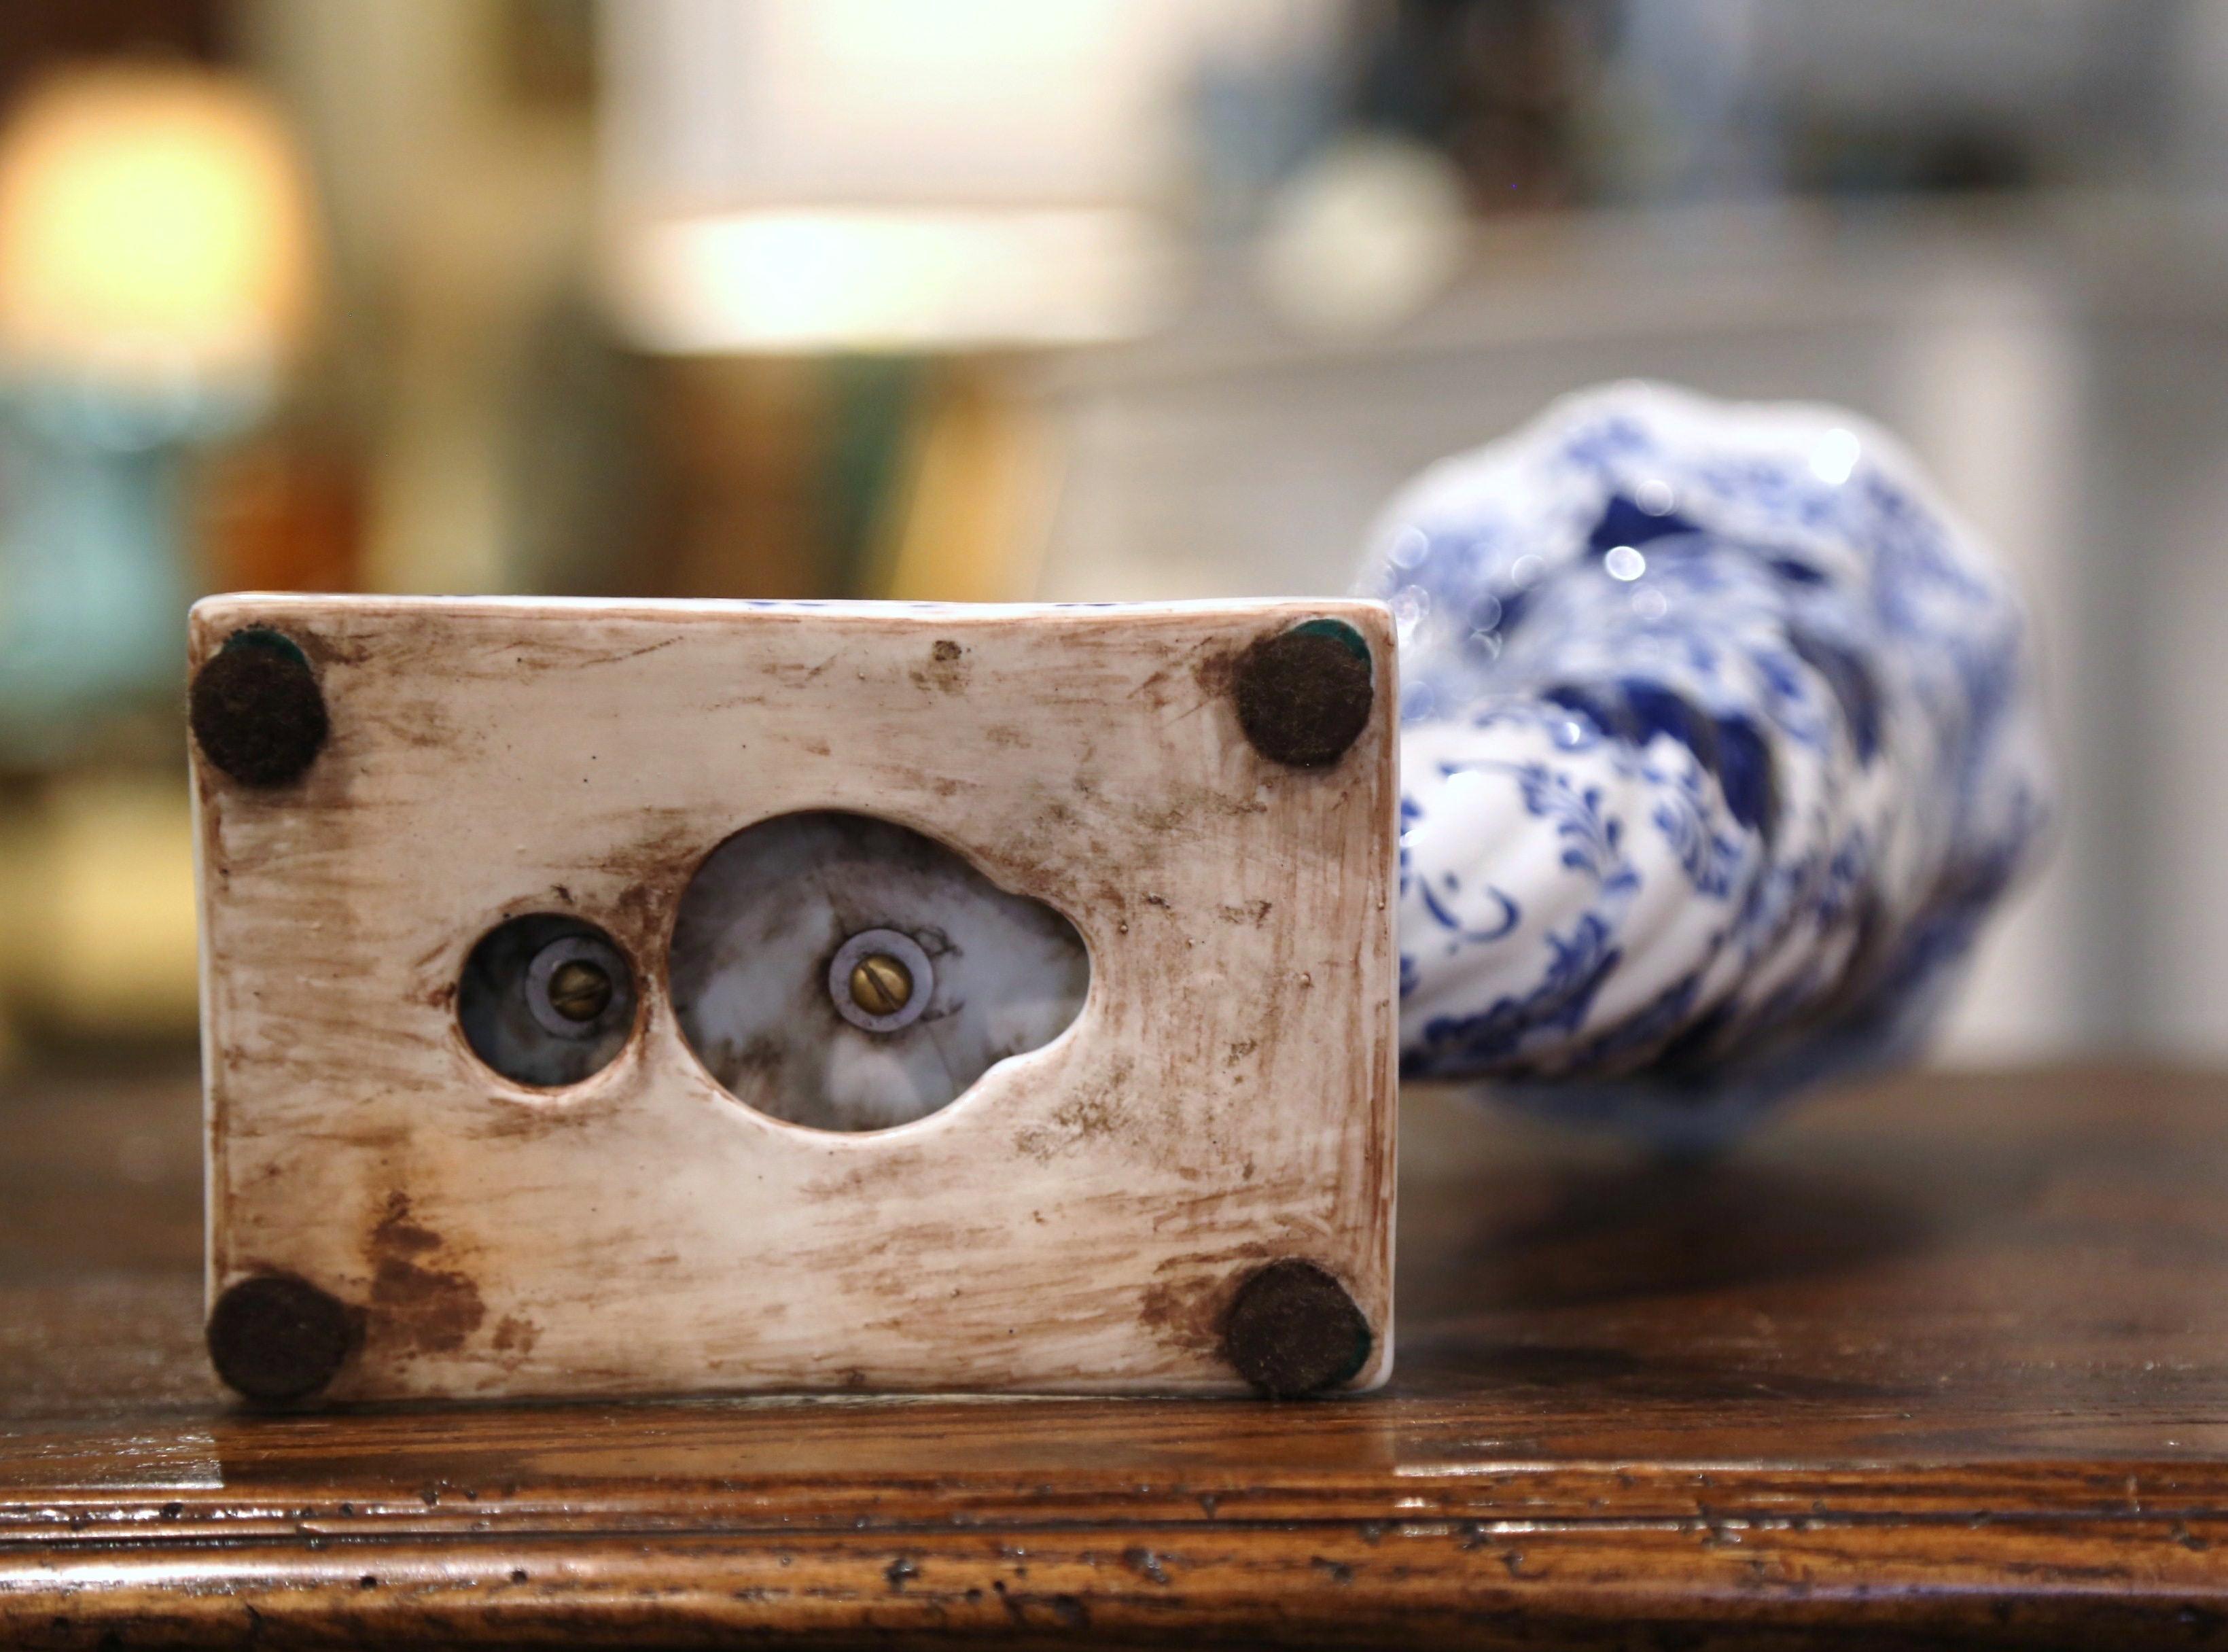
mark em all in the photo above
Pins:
pixel 1293 1331
pixel 276 1338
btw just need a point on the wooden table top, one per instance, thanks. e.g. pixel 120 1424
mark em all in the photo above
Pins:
pixel 1941 1361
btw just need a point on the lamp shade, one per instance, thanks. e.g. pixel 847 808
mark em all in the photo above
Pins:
pixel 154 233
pixel 811 174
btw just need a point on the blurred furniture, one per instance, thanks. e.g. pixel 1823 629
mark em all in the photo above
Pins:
pixel 1943 1362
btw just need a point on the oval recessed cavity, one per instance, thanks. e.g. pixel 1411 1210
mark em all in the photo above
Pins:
pixel 547 1000
pixel 849 974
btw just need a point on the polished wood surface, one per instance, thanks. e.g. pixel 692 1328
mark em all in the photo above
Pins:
pixel 1943 1362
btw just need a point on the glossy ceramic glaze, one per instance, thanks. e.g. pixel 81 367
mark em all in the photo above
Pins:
pixel 1719 742
pixel 1159 961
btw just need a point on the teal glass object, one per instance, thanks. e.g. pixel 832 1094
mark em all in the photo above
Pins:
pixel 94 561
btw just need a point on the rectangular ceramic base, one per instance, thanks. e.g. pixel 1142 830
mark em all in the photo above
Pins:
pixel 389 1217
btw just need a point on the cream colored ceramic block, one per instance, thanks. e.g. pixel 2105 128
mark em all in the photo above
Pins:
pixel 1081 1220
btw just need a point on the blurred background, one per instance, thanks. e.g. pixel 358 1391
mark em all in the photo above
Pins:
pixel 1073 299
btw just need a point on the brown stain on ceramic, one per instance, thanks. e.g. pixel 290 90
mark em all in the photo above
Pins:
pixel 1187 1311
pixel 1192 812
pixel 651 872
pixel 427 724
pixel 1099 1108
pixel 1191 679
pixel 946 671
pixel 415 1306
pixel 509 1120
pixel 1253 1111
pixel 1189 1299
pixel 515 1338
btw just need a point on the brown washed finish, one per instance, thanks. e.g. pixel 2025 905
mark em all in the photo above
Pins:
pixel 1944 1362
pixel 1223 1101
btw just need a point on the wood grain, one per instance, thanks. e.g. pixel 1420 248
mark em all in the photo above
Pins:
pixel 1943 1362
pixel 1078 1221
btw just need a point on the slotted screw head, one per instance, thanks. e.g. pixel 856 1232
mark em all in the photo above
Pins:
pixel 880 985
pixel 579 990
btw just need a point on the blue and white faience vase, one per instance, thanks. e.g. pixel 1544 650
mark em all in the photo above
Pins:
pixel 1719 740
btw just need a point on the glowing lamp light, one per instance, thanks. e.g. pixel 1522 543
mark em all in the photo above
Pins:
pixel 883 174
pixel 155 235
pixel 891 278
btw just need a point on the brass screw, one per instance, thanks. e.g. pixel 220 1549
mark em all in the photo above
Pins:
pixel 880 985
pixel 579 990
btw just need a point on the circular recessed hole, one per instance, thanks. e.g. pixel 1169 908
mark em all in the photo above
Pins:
pixel 849 974
pixel 546 1000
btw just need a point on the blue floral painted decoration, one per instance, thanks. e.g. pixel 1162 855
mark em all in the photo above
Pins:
pixel 1718 741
